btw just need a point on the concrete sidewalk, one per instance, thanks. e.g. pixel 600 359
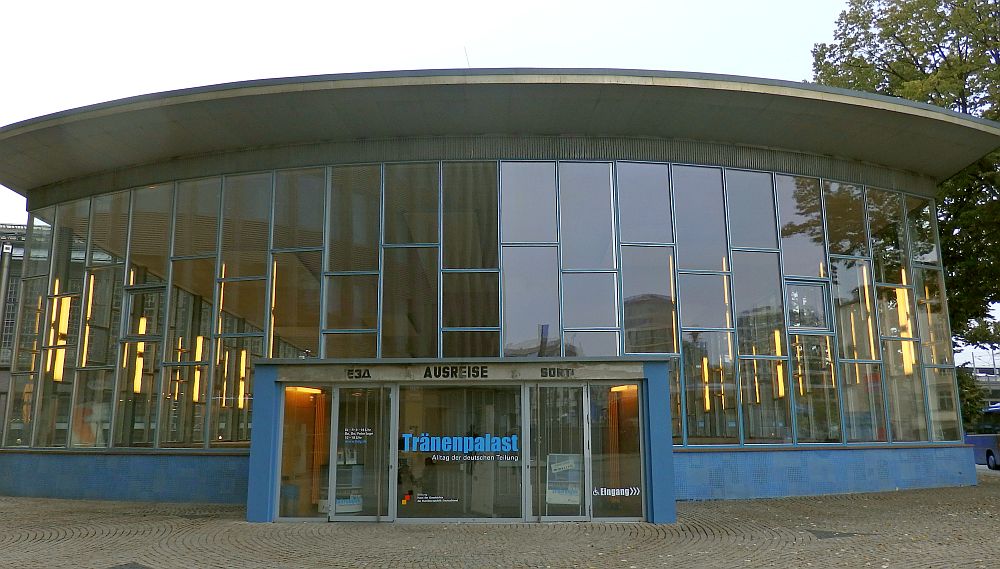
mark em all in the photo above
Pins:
pixel 952 527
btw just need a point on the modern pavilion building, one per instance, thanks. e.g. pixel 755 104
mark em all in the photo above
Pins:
pixel 507 294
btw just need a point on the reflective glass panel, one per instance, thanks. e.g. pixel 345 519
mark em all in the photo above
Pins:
pixel 853 309
pixel 710 385
pixel 760 312
pixel 817 405
pixel 352 302
pixel 22 400
pixel 531 301
pixel 864 407
pixel 69 246
pixel 31 324
pixel 616 458
pixel 470 200
pixel 888 238
pixel 557 468
pixel 350 345
pixel 585 215
pixel 108 228
pixel 750 200
pixel 935 341
pixel 241 307
pixel 907 419
pixel 895 312
pixel 246 215
pixel 471 344
pixel 190 320
pixel 52 422
pixel 363 447
pixel 298 207
pixel 944 404
pixel 295 304
pixel 411 203
pixel 355 205
pixel 650 300
pixel 232 389
pixel 922 226
pixel 137 394
pixel 148 245
pixel 305 453
pixel 92 408
pixel 766 417
pixel 807 306
pixel 528 202
pixel 145 313
pixel 410 297
pixel 589 300
pixel 585 344
pixel 184 397
pixel 845 219
pixel 102 316
pixel 803 242
pixel 701 218
pixel 705 301
pixel 644 203
pixel 471 300
pixel 197 225
pixel 38 242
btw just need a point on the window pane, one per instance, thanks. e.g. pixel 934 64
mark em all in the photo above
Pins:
pixel 589 300
pixel 295 302
pixel 803 244
pixel 705 301
pixel 69 246
pixel 31 324
pixel 852 305
pixel 760 312
pixel 701 218
pixel 410 297
pixel 190 310
pixel 591 344
pixel 710 383
pixel 137 394
pixel 355 203
pixel 350 345
pixel 750 200
pixel 241 307
pixel 585 216
pixel 885 220
pixel 943 404
pixel 92 409
pixel 298 207
pixel 807 306
pixel 817 406
pixel 471 300
pixel 197 217
pixel 51 425
pixel 531 301
pixel 463 344
pixel 906 392
pixel 864 409
pixel 146 313
pixel 650 300
pixel 411 203
pixel 305 449
pixel 246 212
pixel 102 316
pixel 765 402
pixel 528 202
pixel 184 406
pixel 935 341
pixel 845 219
pixel 616 457
pixel 108 228
pixel 232 389
pixel 922 226
pixel 895 312
pixel 151 213
pixel 644 203
pixel 470 195
pixel 22 400
pixel 39 241
pixel 352 302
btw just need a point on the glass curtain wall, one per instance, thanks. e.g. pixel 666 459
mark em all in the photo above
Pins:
pixel 800 310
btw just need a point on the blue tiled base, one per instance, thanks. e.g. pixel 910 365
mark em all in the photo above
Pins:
pixel 152 477
pixel 735 475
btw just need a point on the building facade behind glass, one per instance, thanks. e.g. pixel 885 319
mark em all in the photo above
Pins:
pixel 402 311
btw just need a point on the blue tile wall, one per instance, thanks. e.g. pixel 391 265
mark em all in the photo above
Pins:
pixel 734 475
pixel 155 478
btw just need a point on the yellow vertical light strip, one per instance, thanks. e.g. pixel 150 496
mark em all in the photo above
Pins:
pixel 903 312
pixel 725 298
pixel 61 338
pixel 199 342
pixel 854 335
pixel 225 377
pixel 777 350
pixel 908 358
pixel 177 384
pixel 673 299
pixel 857 373
pixel 869 315
pixel 131 276
pixel 86 324
pixel 829 358
pixel 243 378
pixel 222 308
pixel 822 269
pixel 798 364
pixel 274 291
pixel 756 380
pixel 140 350
pixel 704 377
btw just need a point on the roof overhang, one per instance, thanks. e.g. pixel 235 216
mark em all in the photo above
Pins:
pixel 801 117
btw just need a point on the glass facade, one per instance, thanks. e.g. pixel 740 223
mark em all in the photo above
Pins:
pixel 795 309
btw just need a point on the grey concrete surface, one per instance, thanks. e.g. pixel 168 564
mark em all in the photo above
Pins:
pixel 949 527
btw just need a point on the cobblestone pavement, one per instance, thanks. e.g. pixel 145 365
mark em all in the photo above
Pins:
pixel 952 527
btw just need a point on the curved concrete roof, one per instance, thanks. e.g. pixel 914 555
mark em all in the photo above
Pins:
pixel 802 117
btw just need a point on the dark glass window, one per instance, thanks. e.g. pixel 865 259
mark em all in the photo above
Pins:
pixel 151 207
pixel 705 301
pixel 410 293
pixel 888 238
pixel 907 420
pixel 932 321
pixel 750 200
pixel 197 223
pixel 471 300
pixel 853 307
pixel 471 344
pixel 528 202
pixel 246 212
pixel 352 302
pixel 710 388
pixel 864 407
pixel 295 301
pixel 350 345
pixel 591 344
pixel 845 219
pixel 470 215
pixel 650 300
pixel 355 205
pixel 585 216
pixel 108 228
pixel 766 416
pixel 298 207
pixel 803 242
pixel 411 203
pixel 807 306
pixel 701 221
pixel 922 226
pixel 760 313
pixel 644 203
pixel 531 301
pixel 589 300
pixel 817 406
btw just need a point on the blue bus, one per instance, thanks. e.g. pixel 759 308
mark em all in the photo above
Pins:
pixel 986 440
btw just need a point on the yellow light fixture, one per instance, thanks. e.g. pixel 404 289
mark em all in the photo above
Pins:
pixel 86 324
pixel 243 377
pixel 620 388
pixel 140 350
pixel 305 390
pixel 903 312
pixel 704 377
pixel 199 342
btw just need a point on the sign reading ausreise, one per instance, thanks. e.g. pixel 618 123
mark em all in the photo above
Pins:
pixel 491 371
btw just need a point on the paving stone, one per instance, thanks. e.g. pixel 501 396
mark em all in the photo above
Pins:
pixel 947 527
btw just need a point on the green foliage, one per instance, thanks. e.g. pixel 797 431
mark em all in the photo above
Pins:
pixel 946 53
pixel 973 398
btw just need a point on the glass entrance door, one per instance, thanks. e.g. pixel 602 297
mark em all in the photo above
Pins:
pixel 559 445
pixel 365 463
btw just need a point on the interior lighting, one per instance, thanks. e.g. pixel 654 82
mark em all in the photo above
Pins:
pixel 140 350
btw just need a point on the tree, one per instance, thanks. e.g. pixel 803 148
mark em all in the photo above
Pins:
pixel 946 53
pixel 972 397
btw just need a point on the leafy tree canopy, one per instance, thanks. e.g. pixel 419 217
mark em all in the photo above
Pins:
pixel 945 53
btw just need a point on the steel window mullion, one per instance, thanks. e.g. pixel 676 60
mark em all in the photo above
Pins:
pixel 217 320
pixel 440 258
pixel 381 260
pixel 82 317
pixel 500 283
